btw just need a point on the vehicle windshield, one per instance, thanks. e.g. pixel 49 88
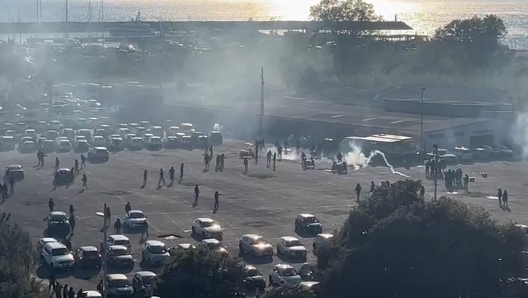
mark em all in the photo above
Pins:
pixel 121 283
pixel 100 151
pixel 59 251
pixel 136 215
pixel 311 220
pixel 15 168
pixel 122 242
pixel 289 272
pixel 119 252
pixel 253 272
pixel 91 254
pixel 209 223
pixel 147 280
pixel 58 217
pixel 260 241
pixel 158 249
pixel 214 245
pixel 293 243
pixel 487 147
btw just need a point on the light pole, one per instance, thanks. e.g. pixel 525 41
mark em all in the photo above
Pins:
pixel 103 253
pixel 435 153
pixel 421 119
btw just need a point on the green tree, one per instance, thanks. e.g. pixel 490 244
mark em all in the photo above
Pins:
pixel 198 273
pixel 475 41
pixel 395 245
pixel 289 292
pixel 16 262
pixel 344 10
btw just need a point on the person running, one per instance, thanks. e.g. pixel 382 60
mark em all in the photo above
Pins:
pixel 84 181
pixel 161 177
pixel 83 161
pixel 145 176
pixel 206 161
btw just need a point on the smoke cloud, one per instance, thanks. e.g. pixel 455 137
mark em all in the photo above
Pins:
pixel 358 160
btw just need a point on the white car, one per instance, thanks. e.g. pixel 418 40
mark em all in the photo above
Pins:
pixel 64 145
pixel 214 245
pixel 57 256
pixel 42 242
pixel 321 240
pixel 91 294
pixel 463 154
pixel 15 171
pixel 119 240
pixel 181 247
pixel 99 141
pixel 284 274
pixel 291 247
pixel 155 252
pixel 157 131
pixel 147 137
pixel 155 142
pixel 135 219
pixel 207 228
pixel 136 143
pixel 28 146
pixel 255 245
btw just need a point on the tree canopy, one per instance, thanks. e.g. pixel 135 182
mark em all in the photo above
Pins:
pixel 344 10
pixel 16 262
pixel 396 245
pixel 199 273
pixel 289 292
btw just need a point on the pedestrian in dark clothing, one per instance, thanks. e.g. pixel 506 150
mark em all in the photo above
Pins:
pixel 422 192
pixel 145 229
pixel 52 280
pixel 268 159
pixel 3 189
pixel 358 191
pixel 274 160
pixel 499 196
pixel 76 167
pixel 466 182
pixel 339 157
pixel 211 150
pixel 161 177
pixel 505 198
pixel 256 152
pixel 72 175
pixel 57 163
pixel 181 172
pixel 65 291
pixel 72 223
pixel 100 287
pixel 196 194
pixel 12 185
pixel 145 176
pixel 84 181
pixel 71 293
pixel 51 205
pixel 372 186
pixel 206 161
pixel 127 207
pixel 80 293
pixel 72 210
pixel 108 214
pixel 245 165
pixel 217 167
pixel 57 289
pixel 171 174
pixel 222 158
pixel 83 161
pixel 216 197
pixel 117 226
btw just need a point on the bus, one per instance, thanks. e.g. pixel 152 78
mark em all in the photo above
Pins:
pixel 393 146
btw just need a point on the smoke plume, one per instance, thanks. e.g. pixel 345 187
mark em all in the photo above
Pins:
pixel 358 160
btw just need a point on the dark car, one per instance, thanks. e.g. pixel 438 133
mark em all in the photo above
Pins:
pixel 203 142
pixel 308 223
pixel 253 279
pixel 215 138
pixel 172 142
pixel 119 256
pixel 494 153
pixel 58 224
pixel 88 257
pixel 307 271
pixel 186 142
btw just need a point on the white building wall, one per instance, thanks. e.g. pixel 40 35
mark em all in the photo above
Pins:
pixel 460 136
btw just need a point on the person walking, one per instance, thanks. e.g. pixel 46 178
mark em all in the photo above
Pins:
pixel 76 167
pixel 80 293
pixel 181 172
pixel 196 194
pixel 57 289
pixel 145 176
pixel 171 174
pixel 51 281
pixel 71 293
pixel 145 229
pixel 57 163
pixel 12 185
pixel 274 160
pixel 65 291
pixel 505 198
pixel 83 161
pixel 128 207
pixel 117 226
pixel 216 197
pixel 72 223
pixel 72 210
pixel 84 181
pixel 245 165
pixel 161 177
pixel 499 196
pixel 108 214
pixel 51 205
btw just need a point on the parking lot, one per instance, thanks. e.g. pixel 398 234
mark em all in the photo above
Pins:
pixel 263 202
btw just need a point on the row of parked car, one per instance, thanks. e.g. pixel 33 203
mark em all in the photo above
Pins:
pixel 482 153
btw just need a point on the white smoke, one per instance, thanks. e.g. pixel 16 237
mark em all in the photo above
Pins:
pixel 358 160
pixel 520 131
pixel 218 127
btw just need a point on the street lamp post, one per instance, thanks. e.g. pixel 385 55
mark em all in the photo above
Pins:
pixel 103 253
pixel 435 153
pixel 421 118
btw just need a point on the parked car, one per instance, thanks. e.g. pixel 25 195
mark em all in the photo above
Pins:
pixel 207 228
pixel 308 223
pixel 88 257
pixel 63 176
pixel 480 153
pixel 321 240
pixel 42 242
pixel 155 252
pixel 98 153
pixel 493 153
pixel 15 171
pixel 255 245
pixel 504 151
pixel 180 248
pixel 119 286
pixel 215 138
pixel 135 219
pixel 119 256
pixel 463 154
pixel 253 279
pixel 284 274
pixel 58 224
pixel 291 247
pixel 57 256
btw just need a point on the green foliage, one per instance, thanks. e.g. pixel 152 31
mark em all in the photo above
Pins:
pixel 198 273
pixel 16 262
pixel 289 292
pixel 395 245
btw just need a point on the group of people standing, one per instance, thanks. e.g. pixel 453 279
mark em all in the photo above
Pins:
pixel 62 291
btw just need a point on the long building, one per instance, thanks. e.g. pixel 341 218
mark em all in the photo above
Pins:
pixel 188 26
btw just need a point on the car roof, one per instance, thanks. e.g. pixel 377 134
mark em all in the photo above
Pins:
pixel 185 245
pixel 146 273
pixel 64 170
pixel 253 236
pixel 212 240
pixel 306 215
pixel 54 245
pixel 250 267
pixel 289 238
pixel 98 137
pixel 137 138
pixel 88 248
pixel 283 266
pixel 172 138
pixel 155 138
pixel 30 130
pixel 117 247
pixel 135 211
pixel 92 293
pixel 47 239
pixel 154 243
pixel 29 142
pixel 325 235
pixel 117 276
pixel 57 213
pixel 119 237
pixel 205 219
pixel 15 166
pixel 100 148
